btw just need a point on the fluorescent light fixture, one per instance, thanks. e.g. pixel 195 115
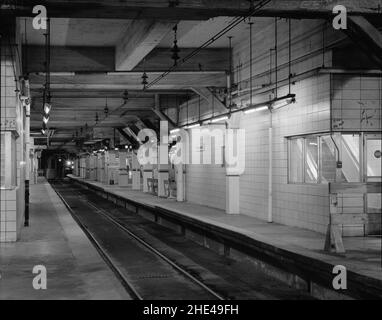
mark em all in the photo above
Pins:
pixel 47 108
pixel 252 110
pixel 283 103
pixel 45 119
pixel 219 119
pixel 192 126
pixel 174 130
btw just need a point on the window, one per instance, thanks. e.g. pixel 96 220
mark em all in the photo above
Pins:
pixel 8 160
pixel 296 160
pixel 313 158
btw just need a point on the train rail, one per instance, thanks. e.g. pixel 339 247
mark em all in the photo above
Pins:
pixel 144 272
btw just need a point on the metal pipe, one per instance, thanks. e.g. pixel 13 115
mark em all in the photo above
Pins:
pixel 270 171
pixel 27 161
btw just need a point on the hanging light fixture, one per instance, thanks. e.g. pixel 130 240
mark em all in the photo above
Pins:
pixel 175 49
pixel 144 76
pixel 144 80
pixel 106 109
pixel 96 118
pixel 125 96
pixel 45 118
pixel 43 130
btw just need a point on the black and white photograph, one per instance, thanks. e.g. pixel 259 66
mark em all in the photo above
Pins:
pixel 191 157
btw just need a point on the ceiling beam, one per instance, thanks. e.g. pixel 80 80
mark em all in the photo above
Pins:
pixel 102 59
pixel 186 9
pixel 211 98
pixel 139 40
pixel 367 37
pixel 177 80
pixel 208 59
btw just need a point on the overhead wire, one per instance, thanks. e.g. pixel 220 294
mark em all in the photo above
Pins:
pixel 229 27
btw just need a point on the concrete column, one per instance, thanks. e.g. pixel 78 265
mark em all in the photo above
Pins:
pixel 147 173
pixel 123 180
pixel 232 194
pixel 163 166
pixel 163 178
pixel 233 146
pixel 136 173
pixel 180 182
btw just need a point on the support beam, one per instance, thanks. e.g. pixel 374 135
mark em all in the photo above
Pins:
pixel 367 37
pixel 130 80
pixel 103 59
pixel 139 40
pixel 208 59
pixel 128 137
pixel 206 94
pixel 188 10
pixel 160 114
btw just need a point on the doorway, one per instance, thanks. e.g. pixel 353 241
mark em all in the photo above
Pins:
pixel 372 173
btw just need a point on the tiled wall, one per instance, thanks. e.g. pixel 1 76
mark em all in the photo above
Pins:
pixel 356 103
pixel 12 197
pixel 205 185
pixel 296 205
pixel 302 205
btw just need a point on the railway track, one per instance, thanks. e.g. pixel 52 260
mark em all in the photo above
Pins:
pixel 144 272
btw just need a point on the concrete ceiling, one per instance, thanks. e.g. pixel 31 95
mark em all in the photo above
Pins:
pixel 77 32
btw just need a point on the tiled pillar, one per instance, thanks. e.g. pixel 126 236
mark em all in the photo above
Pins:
pixel 123 180
pixel 136 173
pixel 233 171
pixel 163 177
pixel 147 174
pixel 180 182
pixel 13 159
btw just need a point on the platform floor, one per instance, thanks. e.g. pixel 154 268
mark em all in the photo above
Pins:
pixel 74 267
pixel 363 254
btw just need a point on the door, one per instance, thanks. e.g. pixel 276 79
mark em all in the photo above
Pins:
pixel 372 170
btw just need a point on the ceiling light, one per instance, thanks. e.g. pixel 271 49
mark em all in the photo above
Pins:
pixel 193 126
pixel 219 119
pixel 174 130
pixel 283 102
pixel 251 110
pixel 45 119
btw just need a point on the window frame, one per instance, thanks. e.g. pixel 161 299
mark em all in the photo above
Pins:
pixel 319 163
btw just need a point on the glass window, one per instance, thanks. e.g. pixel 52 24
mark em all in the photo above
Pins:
pixel 350 157
pixel 373 159
pixel 296 164
pixel 328 159
pixel 311 160
pixel 8 160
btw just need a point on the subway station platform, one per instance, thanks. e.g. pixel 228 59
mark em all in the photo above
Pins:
pixel 289 253
pixel 75 270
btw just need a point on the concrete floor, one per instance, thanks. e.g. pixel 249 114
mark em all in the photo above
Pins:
pixel 75 270
pixel 363 254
